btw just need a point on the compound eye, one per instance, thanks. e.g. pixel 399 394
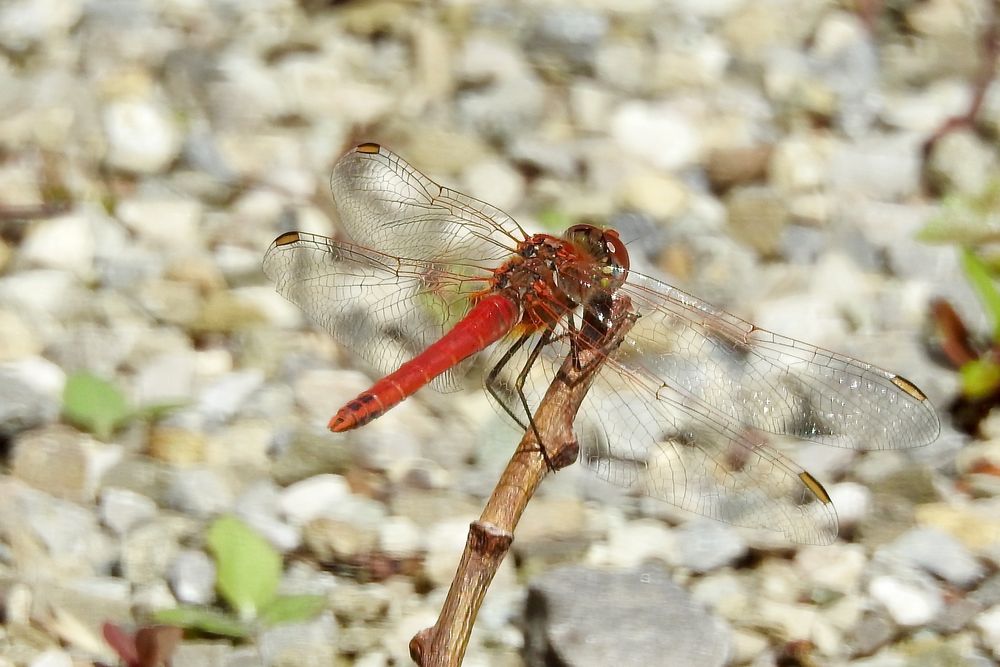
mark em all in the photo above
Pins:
pixel 581 230
pixel 616 248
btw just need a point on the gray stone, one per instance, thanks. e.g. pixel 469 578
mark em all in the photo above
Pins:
pixel 314 497
pixel 961 162
pixel 65 243
pixel 192 577
pixel 939 554
pixel 141 136
pixel 148 550
pixel 307 643
pixel 580 616
pixel 566 36
pixel 54 533
pixel 871 634
pixel 122 509
pixel 658 133
pixel 201 492
pixel 705 545
pixel 222 399
pixel 30 394
pixel 24 23
pixel 911 598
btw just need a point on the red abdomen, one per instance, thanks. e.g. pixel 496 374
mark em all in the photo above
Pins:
pixel 490 319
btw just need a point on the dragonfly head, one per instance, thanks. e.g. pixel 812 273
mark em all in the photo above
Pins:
pixel 607 248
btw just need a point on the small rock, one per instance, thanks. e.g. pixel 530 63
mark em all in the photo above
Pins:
pixel 836 567
pixel 30 393
pixel 938 553
pixel 162 222
pixel 989 625
pixel 166 379
pixel 635 542
pixel 222 399
pixel 956 615
pixel 66 535
pixel 142 138
pixel 656 194
pixel 331 540
pixel 149 550
pixel 201 492
pixel 494 181
pixel 314 497
pixel 55 460
pixel 737 166
pixel 853 502
pixel 565 37
pixel 65 243
pixel 659 134
pixel 176 445
pixel 44 291
pixel 504 110
pixel 911 601
pixel 961 162
pixel 192 577
pixel 445 541
pixel 705 545
pixel 886 168
pixel 121 509
pixel 312 642
pixel 52 657
pixel 582 616
pixel 725 593
pixel 400 537
pixel 871 634
pixel 17 342
pixel 757 217
pixel 26 22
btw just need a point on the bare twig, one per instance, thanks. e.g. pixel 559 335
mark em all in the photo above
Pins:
pixel 444 643
pixel 990 47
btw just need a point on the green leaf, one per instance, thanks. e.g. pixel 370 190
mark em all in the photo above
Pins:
pixel 979 276
pixel 291 608
pixel 249 568
pixel 156 411
pixel 966 219
pixel 980 378
pixel 94 404
pixel 207 620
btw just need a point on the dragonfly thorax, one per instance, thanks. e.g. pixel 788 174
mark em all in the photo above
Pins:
pixel 551 275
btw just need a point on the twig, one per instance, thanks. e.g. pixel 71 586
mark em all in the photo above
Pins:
pixel 990 46
pixel 444 643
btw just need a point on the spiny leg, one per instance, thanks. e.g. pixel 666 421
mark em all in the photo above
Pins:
pixel 544 340
pixel 491 378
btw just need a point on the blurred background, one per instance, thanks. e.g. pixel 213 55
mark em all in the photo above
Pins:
pixel 828 170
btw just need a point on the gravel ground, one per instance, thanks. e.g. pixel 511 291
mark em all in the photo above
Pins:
pixel 765 156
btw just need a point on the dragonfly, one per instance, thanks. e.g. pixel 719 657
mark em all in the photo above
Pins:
pixel 685 409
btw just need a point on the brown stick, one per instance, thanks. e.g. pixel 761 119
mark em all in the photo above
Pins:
pixel 990 46
pixel 444 643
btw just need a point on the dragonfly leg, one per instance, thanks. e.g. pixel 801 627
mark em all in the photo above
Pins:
pixel 491 378
pixel 522 377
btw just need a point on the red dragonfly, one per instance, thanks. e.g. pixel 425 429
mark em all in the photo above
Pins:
pixel 680 411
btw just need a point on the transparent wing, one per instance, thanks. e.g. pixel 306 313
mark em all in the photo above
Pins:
pixel 386 309
pixel 768 381
pixel 639 435
pixel 679 412
pixel 387 205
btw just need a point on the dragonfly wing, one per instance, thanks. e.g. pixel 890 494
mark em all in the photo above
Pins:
pixel 767 381
pixel 386 204
pixel 635 433
pixel 659 442
pixel 384 308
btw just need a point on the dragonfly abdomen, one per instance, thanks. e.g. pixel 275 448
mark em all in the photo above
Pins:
pixel 492 318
